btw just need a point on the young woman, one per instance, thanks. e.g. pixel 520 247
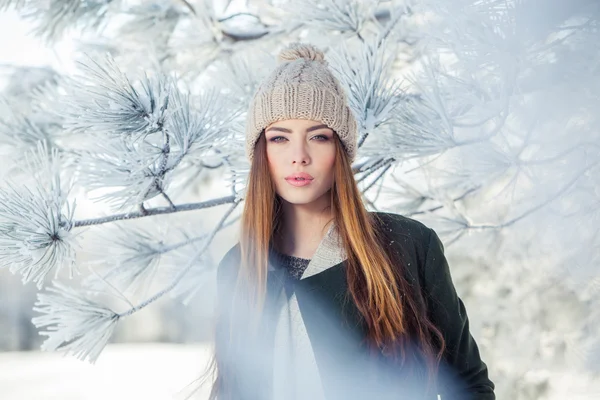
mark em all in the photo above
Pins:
pixel 321 299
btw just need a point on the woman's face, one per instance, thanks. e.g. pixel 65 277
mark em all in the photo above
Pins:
pixel 296 146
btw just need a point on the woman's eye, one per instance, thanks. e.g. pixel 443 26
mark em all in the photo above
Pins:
pixel 321 137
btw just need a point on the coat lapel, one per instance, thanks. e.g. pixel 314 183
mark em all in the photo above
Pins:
pixel 295 371
pixel 330 252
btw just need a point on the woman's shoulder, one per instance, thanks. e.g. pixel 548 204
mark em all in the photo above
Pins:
pixel 397 225
pixel 407 238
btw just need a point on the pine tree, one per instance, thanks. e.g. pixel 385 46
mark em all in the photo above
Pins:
pixel 477 116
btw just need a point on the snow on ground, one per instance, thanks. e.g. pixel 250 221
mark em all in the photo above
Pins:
pixel 153 371
pixel 158 371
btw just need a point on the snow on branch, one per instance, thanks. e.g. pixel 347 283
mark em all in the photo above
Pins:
pixel 18 129
pixel 340 15
pixel 157 211
pixel 134 257
pixel 16 4
pixel 139 132
pixel 199 127
pixel 420 124
pixel 82 327
pixel 131 172
pixel 151 21
pixel 74 324
pixel 54 18
pixel 190 263
pixel 35 224
pixel 104 100
pixel 372 92
pixel 242 72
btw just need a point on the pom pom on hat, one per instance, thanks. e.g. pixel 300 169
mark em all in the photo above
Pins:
pixel 298 50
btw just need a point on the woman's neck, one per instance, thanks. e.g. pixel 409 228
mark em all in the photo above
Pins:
pixel 303 228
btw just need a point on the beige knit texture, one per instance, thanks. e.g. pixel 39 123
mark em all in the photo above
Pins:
pixel 301 87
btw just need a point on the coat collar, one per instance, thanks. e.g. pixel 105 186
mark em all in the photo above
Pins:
pixel 330 252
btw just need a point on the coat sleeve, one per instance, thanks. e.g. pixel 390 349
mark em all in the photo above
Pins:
pixel 463 374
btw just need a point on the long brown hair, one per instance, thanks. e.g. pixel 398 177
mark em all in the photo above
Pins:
pixel 375 276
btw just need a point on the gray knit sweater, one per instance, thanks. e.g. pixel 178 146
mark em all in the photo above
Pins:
pixel 295 266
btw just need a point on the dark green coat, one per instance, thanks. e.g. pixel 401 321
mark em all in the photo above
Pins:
pixel 337 330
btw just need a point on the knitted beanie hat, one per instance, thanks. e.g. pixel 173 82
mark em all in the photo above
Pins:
pixel 301 87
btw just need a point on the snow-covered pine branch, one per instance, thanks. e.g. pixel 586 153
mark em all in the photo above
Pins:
pixel 181 273
pixel 18 130
pixel 82 327
pixel 157 211
pixel 16 4
pixel 140 257
pixel 132 172
pixel 103 100
pixel 337 15
pixel 137 251
pixel 74 324
pixel 134 257
pixel 26 115
pixel 239 74
pixel 414 130
pixel 153 22
pixel 372 90
pixel 142 131
pixel 36 223
pixel 54 18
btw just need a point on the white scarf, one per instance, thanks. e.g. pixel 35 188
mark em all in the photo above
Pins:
pixel 295 372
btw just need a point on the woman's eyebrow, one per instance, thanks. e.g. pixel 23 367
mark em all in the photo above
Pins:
pixel 312 128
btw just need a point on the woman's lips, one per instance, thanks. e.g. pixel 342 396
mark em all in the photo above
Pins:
pixel 299 182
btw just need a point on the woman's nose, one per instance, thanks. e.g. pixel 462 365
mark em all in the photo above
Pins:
pixel 300 154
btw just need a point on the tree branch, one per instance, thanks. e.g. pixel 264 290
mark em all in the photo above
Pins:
pixel 539 206
pixel 433 209
pixel 379 176
pixel 156 211
pixel 242 13
pixel 182 273
pixel 189 6
pixel 379 164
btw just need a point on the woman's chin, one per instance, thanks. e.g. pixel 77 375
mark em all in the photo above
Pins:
pixel 301 198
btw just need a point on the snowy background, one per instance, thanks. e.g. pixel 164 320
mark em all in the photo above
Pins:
pixel 493 141
pixel 126 371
